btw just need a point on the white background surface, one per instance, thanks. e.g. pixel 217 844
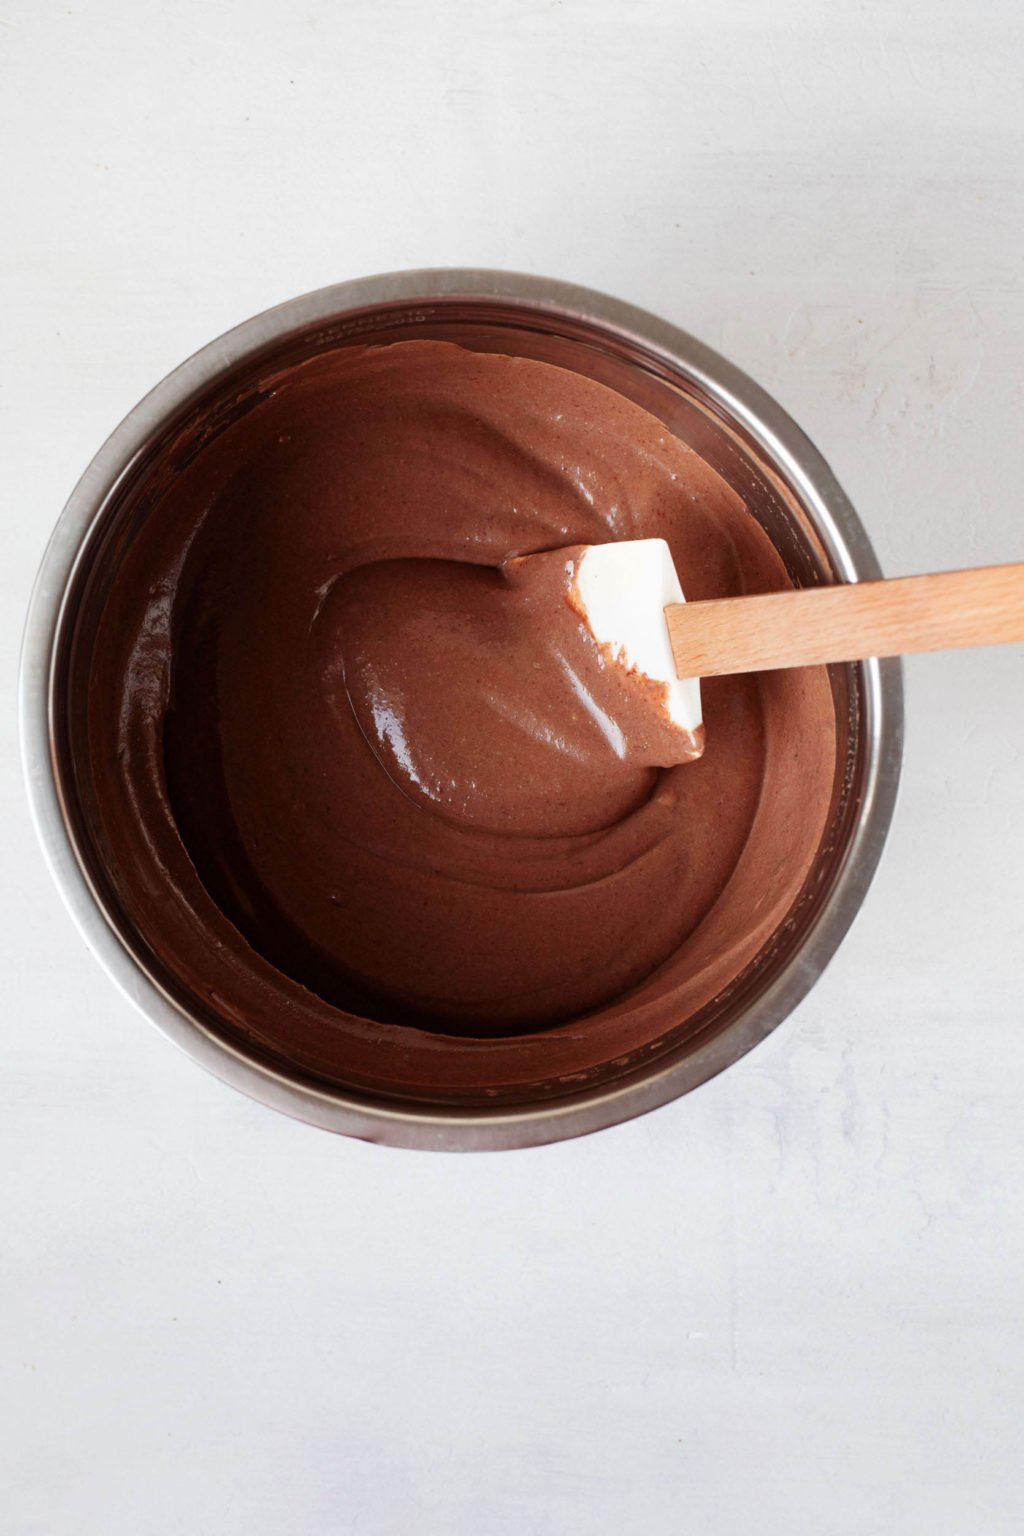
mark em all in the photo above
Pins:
pixel 789 1302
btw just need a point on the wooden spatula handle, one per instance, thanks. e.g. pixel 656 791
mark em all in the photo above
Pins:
pixel 849 622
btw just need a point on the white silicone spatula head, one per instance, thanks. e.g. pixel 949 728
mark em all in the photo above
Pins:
pixel 621 592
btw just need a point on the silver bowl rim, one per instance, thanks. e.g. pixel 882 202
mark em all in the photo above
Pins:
pixel 444 1128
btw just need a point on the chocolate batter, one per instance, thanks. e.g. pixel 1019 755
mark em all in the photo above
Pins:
pixel 375 797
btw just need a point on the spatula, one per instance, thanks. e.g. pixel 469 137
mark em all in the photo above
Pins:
pixel 629 595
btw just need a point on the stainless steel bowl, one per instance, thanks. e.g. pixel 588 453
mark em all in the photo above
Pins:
pixel 704 400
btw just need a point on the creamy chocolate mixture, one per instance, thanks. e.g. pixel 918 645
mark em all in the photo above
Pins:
pixel 374 796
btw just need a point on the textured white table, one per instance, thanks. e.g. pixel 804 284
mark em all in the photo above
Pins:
pixel 789 1302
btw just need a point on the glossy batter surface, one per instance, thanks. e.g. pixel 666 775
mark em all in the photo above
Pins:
pixel 369 791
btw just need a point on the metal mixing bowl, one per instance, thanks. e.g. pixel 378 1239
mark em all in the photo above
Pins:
pixel 700 397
